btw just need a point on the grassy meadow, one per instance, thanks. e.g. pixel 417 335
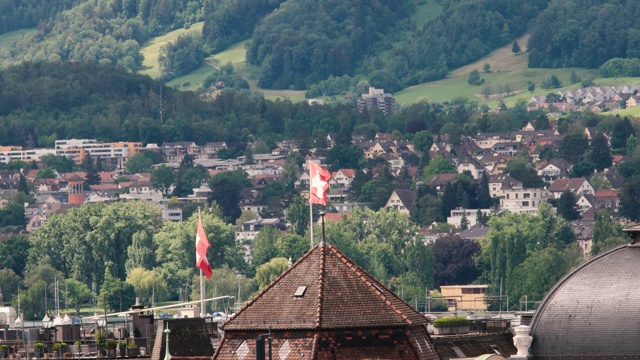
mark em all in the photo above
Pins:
pixel 8 39
pixel 151 49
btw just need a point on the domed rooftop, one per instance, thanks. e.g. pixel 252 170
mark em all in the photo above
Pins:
pixel 594 310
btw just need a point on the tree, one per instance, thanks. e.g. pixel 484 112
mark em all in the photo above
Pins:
pixel 520 169
pixel 454 259
pixel 226 189
pixel 584 168
pixel 141 252
pixel 629 198
pixel 345 157
pixel 622 130
pixel 264 246
pixel 531 86
pixel 298 215
pixel 486 68
pixel 573 146
pixel 162 178
pixel 13 216
pixel 138 163
pixel 605 236
pixel 423 140
pixel 439 165
pixel 14 252
pixel 600 153
pixel 92 177
pixel 10 283
pixel 268 272
pixel 484 195
pixel 377 192
pixel 568 206
pixel 474 78
pixel 116 295
pixel 175 255
pixel 62 164
pixel 291 246
pixel 632 144
pixel 148 285
pixel 515 47
pixel 46 174
pixel 76 292
pixel 552 82
pixel 574 79
pixel 542 122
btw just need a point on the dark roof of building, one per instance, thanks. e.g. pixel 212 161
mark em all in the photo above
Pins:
pixel 338 294
pixel 591 312
pixel 407 196
pixel 474 345
pixel 477 231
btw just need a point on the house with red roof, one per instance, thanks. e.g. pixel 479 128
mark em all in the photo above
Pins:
pixel 578 186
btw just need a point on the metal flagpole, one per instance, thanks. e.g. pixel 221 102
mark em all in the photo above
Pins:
pixel 201 281
pixel 310 204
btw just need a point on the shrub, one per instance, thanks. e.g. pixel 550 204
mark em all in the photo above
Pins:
pixel 77 343
pixel 100 337
pixel 122 343
pixel 57 346
pixel 450 322
pixel 131 344
pixel 111 344
pixel 38 346
pixel 3 347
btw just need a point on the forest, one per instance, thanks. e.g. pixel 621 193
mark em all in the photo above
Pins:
pixel 299 44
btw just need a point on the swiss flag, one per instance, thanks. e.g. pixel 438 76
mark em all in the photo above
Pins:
pixel 201 250
pixel 319 183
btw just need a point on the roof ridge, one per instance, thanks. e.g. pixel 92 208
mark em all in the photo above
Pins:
pixel 272 284
pixel 360 272
pixel 320 284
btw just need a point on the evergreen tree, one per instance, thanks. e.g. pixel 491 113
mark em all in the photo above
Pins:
pixel 92 177
pixel 464 223
pixel 600 152
pixel 632 144
pixel 567 206
pixel 484 195
pixel 515 47
pixel 22 185
pixel 630 198
pixel 622 130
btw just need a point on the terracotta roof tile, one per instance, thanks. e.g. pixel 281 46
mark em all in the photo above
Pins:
pixel 339 294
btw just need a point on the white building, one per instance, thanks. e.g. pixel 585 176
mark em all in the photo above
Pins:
pixel 523 200
pixel 471 214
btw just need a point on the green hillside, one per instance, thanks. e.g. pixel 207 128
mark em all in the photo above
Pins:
pixel 7 40
pixel 151 49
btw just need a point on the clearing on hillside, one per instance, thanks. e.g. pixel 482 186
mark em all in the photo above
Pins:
pixel 151 49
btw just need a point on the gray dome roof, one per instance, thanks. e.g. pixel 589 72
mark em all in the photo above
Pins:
pixel 594 310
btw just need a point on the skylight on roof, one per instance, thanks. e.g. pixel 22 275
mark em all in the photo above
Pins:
pixel 300 291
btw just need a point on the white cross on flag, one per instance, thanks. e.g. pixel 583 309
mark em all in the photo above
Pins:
pixel 201 250
pixel 319 183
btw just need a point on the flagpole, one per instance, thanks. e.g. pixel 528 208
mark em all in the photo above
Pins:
pixel 201 281
pixel 310 205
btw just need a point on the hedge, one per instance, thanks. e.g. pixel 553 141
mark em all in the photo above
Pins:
pixel 450 322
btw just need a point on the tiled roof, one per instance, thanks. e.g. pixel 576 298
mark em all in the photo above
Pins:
pixel 566 184
pixel 338 294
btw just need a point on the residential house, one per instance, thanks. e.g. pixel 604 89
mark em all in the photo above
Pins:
pixel 578 186
pixel 510 148
pixel 473 166
pixel 584 236
pixel 632 101
pixel 585 202
pixel 174 152
pixel 439 181
pixel 342 178
pixel 499 184
pixel 250 229
pixel 553 169
pixel 401 200
pixel 487 140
